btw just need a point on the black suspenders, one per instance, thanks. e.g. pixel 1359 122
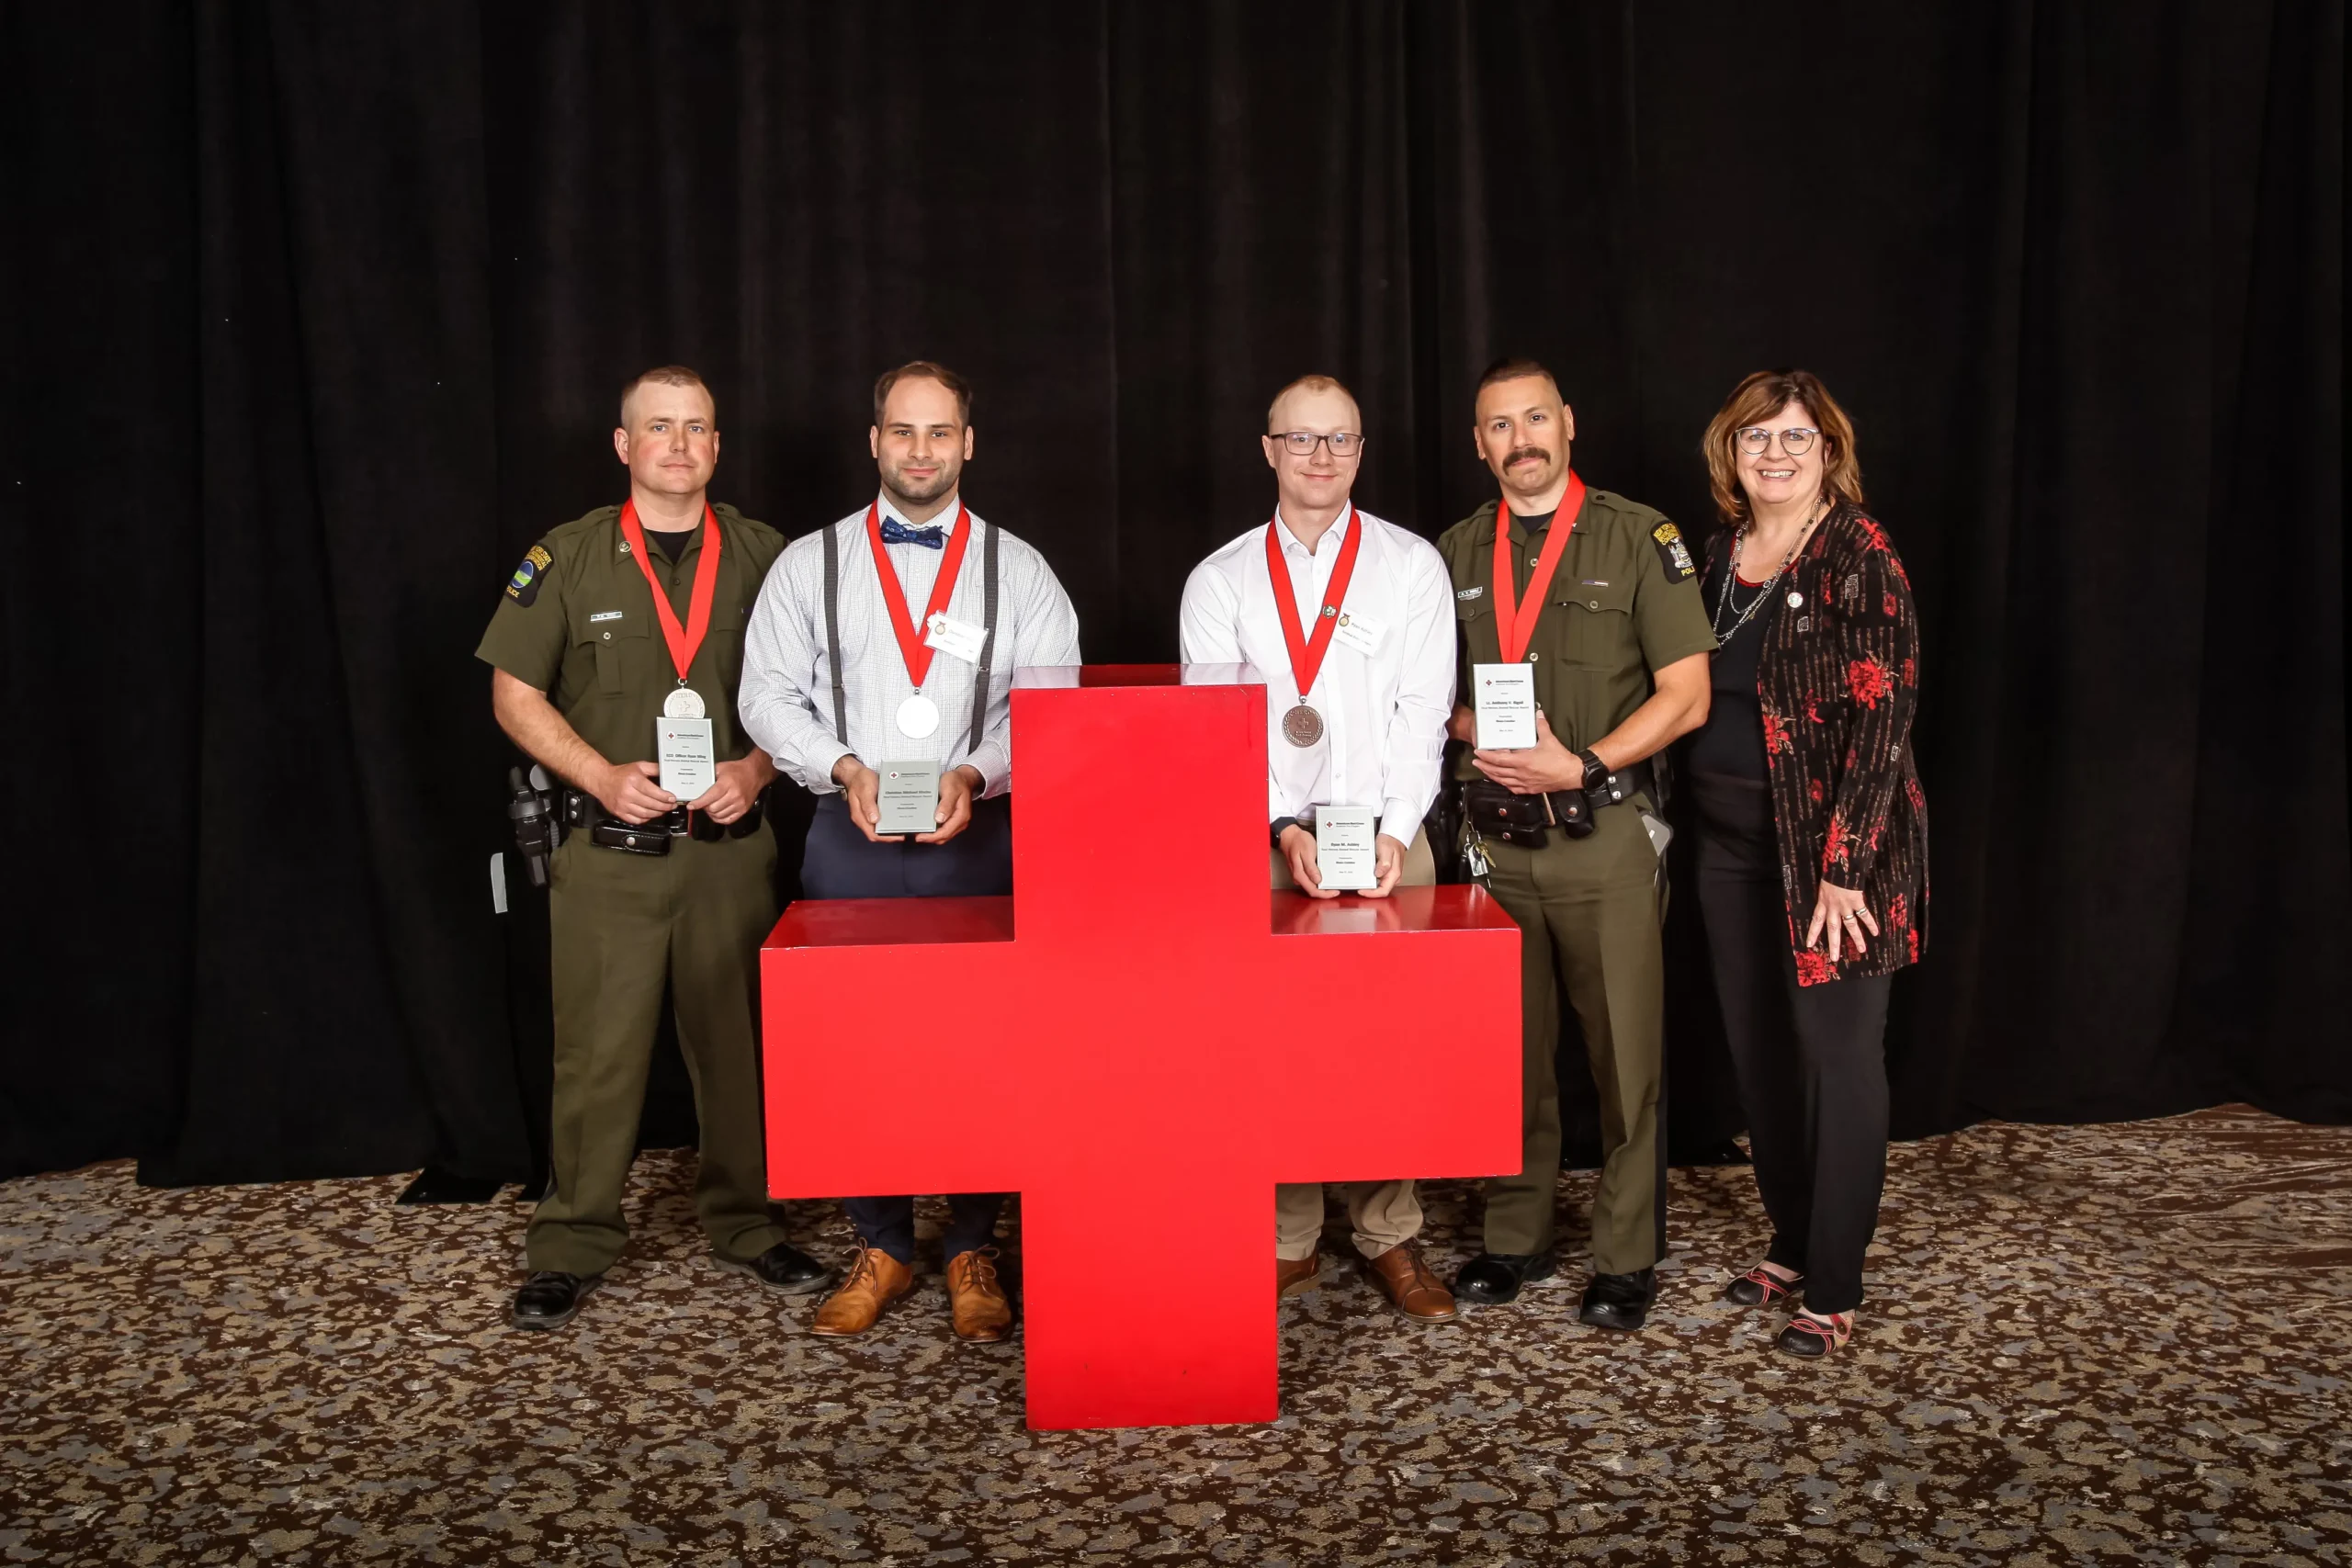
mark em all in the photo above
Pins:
pixel 834 630
pixel 987 646
pixel 833 634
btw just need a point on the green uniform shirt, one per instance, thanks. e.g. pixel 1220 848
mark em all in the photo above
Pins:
pixel 1623 602
pixel 578 623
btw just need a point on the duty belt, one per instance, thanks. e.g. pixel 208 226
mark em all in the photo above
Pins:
pixel 582 811
pixel 1527 821
pixel 1623 785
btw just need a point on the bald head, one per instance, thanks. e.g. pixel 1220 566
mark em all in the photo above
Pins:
pixel 1314 402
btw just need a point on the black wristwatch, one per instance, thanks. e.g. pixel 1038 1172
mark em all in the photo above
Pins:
pixel 1596 773
pixel 1281 825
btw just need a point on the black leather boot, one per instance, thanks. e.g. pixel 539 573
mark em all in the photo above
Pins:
pixel 1619 1300
pixel 550 1300
pixel 784 1268
pixel 1493 1278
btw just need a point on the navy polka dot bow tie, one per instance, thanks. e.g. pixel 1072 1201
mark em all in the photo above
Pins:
pixel 897 532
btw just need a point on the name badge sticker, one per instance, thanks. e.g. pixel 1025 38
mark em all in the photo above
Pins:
pixel 959 640
pixel 1361 632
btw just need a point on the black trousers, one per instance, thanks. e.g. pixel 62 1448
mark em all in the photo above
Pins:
pixel 842 862
pixel 1811 1059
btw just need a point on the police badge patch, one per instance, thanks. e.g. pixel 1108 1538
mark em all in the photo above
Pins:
pixel 523 586
pixel 1672 552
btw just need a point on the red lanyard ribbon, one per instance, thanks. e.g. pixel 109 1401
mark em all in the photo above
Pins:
pixel 1513 632
pixel 910 644
pixel 1306 656
pixel 684 641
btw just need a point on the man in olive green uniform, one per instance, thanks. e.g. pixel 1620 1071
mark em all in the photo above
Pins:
pixel 586 665
pixel 1609 616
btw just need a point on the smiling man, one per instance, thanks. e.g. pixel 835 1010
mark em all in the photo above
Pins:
pixel 615 624
pixel 885 644
pixel 1599 597
pixel 1345 616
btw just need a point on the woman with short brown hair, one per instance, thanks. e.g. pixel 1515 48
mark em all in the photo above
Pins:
pixel 1812 831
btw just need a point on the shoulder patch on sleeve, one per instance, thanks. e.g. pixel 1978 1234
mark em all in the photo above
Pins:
pixel 523 586
pixel 1672 553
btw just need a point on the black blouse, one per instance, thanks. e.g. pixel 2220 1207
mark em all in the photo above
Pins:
pixel 1732 740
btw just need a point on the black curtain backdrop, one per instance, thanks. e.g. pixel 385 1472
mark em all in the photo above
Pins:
pixel 315 316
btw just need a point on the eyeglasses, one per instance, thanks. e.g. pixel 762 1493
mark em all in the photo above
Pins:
pixel 1343 443
pixel 1756 440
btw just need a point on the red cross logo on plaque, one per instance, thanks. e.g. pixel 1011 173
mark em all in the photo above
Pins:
pixel 1135 1041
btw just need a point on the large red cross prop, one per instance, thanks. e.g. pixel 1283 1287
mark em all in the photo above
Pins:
pixel 1131 1043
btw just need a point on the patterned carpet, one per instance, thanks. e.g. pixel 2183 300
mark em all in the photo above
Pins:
pixel 2127 1344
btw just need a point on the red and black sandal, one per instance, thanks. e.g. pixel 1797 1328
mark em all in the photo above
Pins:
pixel 1760 1287
pixel 1813 1335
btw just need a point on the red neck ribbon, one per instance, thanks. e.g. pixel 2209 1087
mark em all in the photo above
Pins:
pixel 1306 656
pixel 894 596
pixel 1510 630
pixel 684 641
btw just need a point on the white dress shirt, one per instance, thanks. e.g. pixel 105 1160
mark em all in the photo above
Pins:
pixel 786 696
pixel 1385 713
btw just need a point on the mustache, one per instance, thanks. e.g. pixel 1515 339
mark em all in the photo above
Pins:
pixel 1519 452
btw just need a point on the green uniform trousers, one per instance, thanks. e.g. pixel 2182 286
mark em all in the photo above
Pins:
pixel 1588 910
pixel 621 925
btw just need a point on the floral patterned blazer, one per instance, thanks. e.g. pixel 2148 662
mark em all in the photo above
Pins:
pixel 1837 679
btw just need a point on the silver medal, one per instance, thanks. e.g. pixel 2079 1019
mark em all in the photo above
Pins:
pixel 685 702
pixel 918 717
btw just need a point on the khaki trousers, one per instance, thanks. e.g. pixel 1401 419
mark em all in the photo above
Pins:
pixel 621 926
pixel 1588 909
pixel 1383 1213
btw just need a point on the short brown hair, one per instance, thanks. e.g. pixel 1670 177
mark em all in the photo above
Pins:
pixel 1315 382
pixel 923 371
pixel 1759 397
pixel 1511 369
pixel 669 376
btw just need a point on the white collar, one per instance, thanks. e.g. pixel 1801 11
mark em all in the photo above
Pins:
pixel 1337 531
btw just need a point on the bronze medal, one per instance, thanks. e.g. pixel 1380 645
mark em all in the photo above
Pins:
pixel 1302 726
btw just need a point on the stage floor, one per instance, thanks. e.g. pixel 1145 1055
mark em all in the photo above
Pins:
pixel 2126 1344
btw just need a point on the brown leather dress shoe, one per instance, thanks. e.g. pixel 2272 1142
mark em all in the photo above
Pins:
pixel 982 1315
pixel 1296 1276
pixel 1412 1291
pixel 876 1280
